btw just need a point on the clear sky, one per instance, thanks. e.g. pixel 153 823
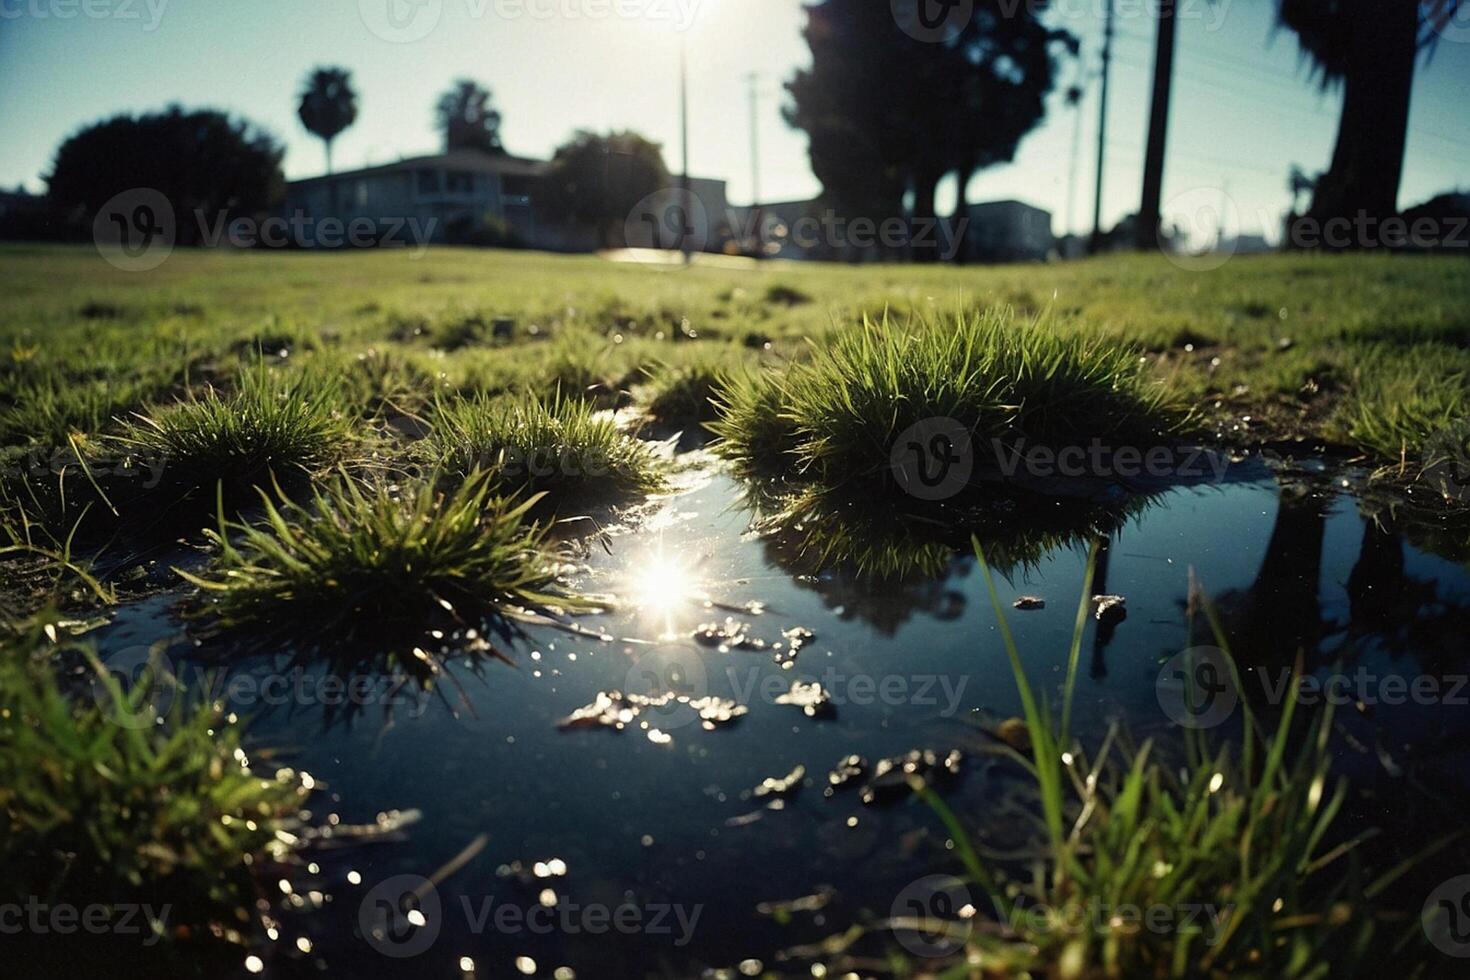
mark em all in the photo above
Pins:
pixel 1244 109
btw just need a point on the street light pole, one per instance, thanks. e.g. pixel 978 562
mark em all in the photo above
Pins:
pixel 1102 130
pixel 684 142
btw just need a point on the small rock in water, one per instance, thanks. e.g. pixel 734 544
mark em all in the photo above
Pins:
pixel 780 788
pixel 848 769
pixel 891 776
pixel 1013 732
pixel 1110 608
pixel 616 710
pixel 796 638
pixel 1028 602
pixel 729 635
pixel 810 697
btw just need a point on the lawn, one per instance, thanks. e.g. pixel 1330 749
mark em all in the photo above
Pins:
pixel 356 449
pixel 1364 353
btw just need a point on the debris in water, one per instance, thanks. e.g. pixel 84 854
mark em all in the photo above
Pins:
pixel 1013 732
pixel 810 697
pixel 745 819
pixel 782 911
pixel 780 788
pixel 848 769
pixel 729 635
pixel 1026 603
pixel 891 776
pixel 796 638
pixel 1110 608
pixel 616 710
pixel 525 873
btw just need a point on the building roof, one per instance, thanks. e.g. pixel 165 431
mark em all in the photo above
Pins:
pixel 473 161
pixel 1007 203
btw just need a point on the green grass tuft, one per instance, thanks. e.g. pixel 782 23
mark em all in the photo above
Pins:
pixel 268 430
pixel 144 812
pixel 557 446
pixel 1247 836
pixel 365 564
pixel 683 391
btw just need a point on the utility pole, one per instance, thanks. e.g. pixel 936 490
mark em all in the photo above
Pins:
pixel 1102 129
pixel 1074 99
pixel 684 218
pixel 1158 125
pixel 753 78
pixel 755 158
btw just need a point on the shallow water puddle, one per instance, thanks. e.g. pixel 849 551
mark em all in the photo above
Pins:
pixel 676 826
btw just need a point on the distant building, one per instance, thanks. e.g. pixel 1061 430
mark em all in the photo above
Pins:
pixel 1009 231
pixel 472 197
pixel 998 231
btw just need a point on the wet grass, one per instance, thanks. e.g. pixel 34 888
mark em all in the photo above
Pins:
pixel 1267 348
pixel 557 446
pixel 268 430
pixel 109 798
pixel 678 393
pixel 358 565
pixel 997 377
pixel 1248 836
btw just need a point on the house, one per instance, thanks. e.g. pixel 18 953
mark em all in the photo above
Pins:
pixel 1009 231
pixel 471 197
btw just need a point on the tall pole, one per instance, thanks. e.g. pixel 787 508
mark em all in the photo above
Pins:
pixel 757 245
pixel 1102 129
pixel 755 156
pixel 684 140
pixel 1158 125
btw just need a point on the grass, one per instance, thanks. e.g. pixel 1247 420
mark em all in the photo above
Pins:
pixel 1248 835
pixel 268 430
pixel 1278 338
pixel 362 566
pixel 999 379
pixel 680 393
pixel 556 446
pixel 100 803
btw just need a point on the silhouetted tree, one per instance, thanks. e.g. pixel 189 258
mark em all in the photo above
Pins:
pixel 596 180
pixel 1369 47
pixel 886 113
pixel 467 117
pixel 206 163
pixel 328 105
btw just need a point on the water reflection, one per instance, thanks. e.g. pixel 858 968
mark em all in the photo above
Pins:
pixel 881 563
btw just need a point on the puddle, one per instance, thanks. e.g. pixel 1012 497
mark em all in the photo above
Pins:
pixel 698 771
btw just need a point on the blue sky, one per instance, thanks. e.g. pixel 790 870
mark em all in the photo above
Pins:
pixel 1245 108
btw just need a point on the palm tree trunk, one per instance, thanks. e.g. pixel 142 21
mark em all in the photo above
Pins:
pixel 959 224
pixel 925 181
pixel 1368 161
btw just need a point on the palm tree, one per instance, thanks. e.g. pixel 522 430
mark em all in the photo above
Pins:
pixel 468 118
pixel 1369 47
pixel 328 105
